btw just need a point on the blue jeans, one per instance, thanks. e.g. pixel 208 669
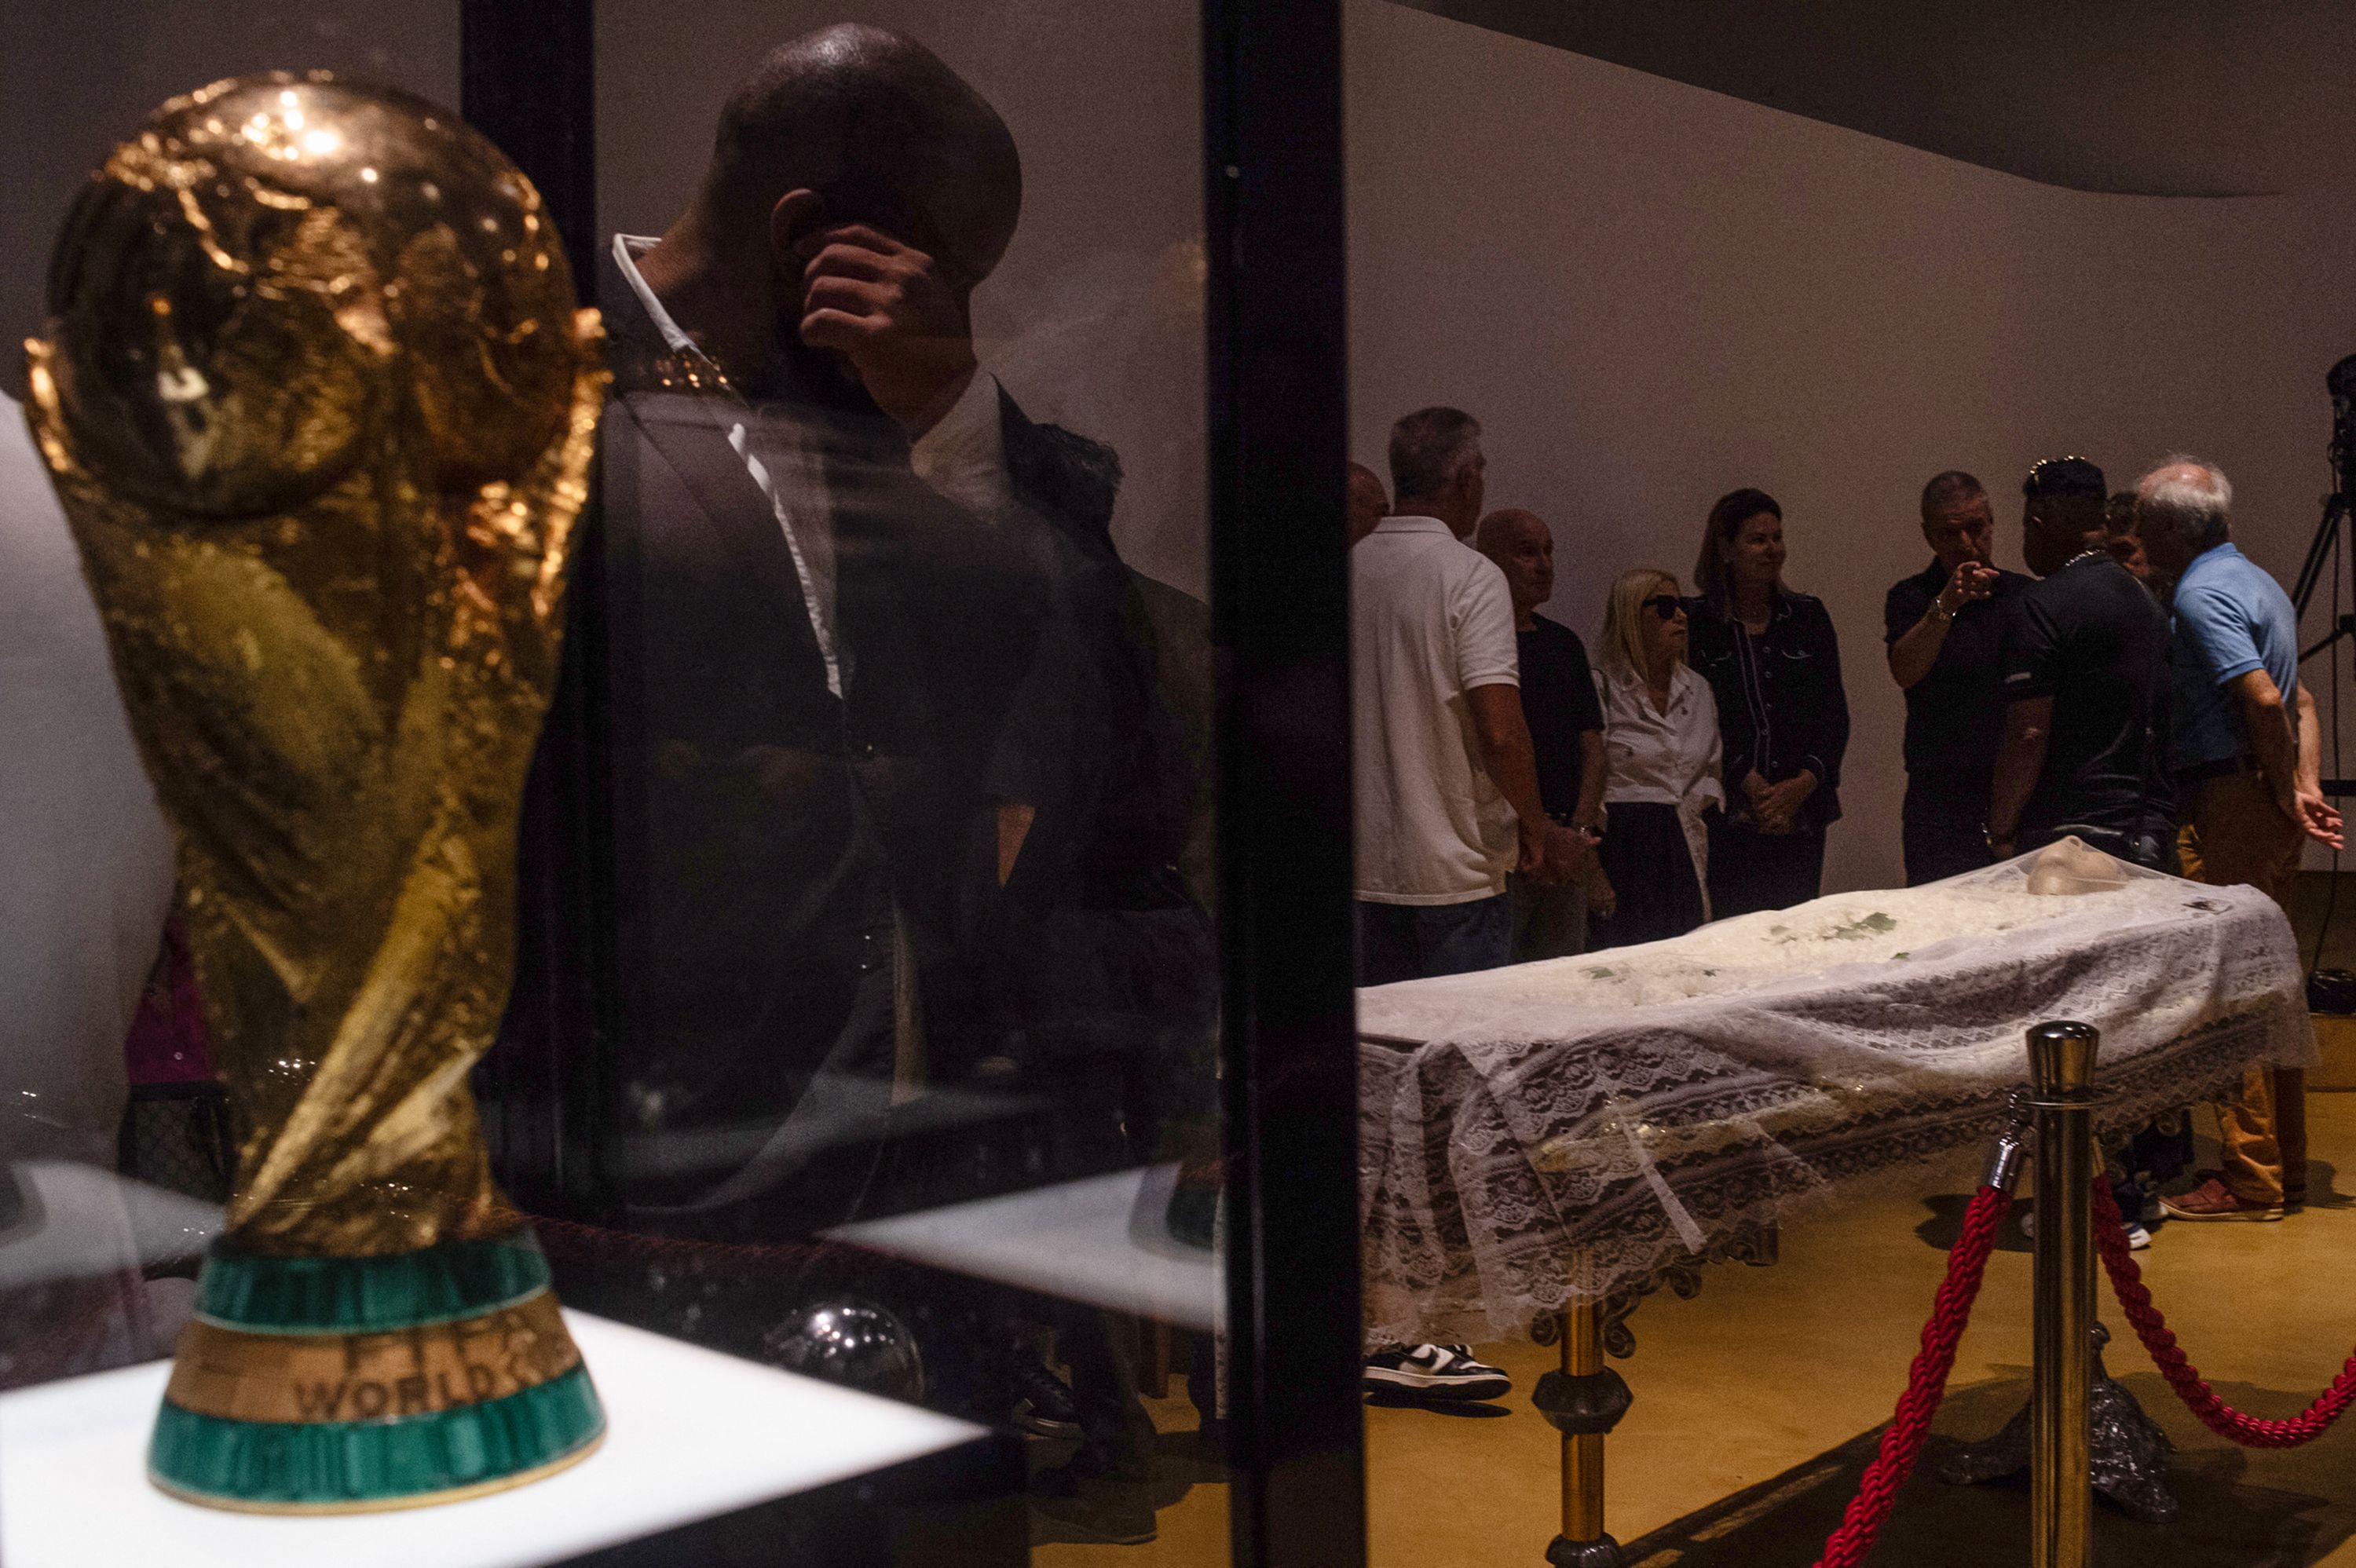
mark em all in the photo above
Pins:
pixel 1412 942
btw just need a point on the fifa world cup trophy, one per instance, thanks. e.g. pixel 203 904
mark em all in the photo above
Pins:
pixel 320 407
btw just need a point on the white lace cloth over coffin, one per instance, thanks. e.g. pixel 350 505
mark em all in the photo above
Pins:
pixel 1567 1127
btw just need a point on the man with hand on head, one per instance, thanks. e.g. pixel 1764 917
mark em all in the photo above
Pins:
pixel 2246 755
pixel 898 709
pixel 901 807
pixel 1566 725
pixel 1942 626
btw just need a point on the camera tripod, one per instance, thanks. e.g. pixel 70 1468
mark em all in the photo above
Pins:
pixel 2326 546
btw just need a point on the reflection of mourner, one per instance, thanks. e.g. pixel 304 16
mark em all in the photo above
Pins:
pixel 884 687
pixel 2085 670
pixel 871 631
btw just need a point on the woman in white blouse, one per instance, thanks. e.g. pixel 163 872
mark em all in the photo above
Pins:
pixel 1660 740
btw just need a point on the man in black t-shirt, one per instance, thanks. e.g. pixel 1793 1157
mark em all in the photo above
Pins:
pixel 1565 724
pixel 2085 680
pixel 1943 627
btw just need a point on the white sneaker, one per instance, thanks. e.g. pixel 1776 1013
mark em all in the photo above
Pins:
pixel 1434 1371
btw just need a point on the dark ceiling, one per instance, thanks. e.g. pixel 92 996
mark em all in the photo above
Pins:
pixel 2149 97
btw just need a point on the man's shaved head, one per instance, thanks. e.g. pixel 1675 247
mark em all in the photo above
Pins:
pixel 884 133
pixel 1501 529
pixel 1522 547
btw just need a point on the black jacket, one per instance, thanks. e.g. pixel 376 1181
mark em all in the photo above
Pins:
pixel 1781 705
pixel 767 830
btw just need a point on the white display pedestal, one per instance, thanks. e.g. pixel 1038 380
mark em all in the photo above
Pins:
pixel 691 1434
pixel 1101 1240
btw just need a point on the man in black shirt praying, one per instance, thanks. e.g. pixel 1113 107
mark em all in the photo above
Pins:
pixel 1942 628
pixel 1565 728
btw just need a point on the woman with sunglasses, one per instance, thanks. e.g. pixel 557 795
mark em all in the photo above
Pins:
pixel 1773 663
pixel 1661 749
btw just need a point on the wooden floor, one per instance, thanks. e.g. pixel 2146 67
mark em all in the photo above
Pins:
pixel 1757 1404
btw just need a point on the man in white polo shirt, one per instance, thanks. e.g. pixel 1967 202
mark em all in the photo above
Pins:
pixel 1447 782
pixel 1447 779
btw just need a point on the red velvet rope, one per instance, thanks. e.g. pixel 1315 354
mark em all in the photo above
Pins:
pixel 1927 1385
pixel 2134 1299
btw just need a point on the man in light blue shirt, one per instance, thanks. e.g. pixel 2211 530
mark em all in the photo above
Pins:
pixel 2245 756
pixel 2232 620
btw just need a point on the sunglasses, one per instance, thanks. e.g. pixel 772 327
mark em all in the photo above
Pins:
pixel 1665 605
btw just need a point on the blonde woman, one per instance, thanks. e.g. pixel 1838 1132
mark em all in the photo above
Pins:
pixel 1661 769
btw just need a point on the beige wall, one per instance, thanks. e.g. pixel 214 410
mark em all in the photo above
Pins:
pixel 1650 293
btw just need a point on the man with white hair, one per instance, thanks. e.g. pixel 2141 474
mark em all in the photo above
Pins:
pixel 2247 788
pixel 1447 784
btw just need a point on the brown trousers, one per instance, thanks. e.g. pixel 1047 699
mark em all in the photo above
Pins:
pixel 2235 834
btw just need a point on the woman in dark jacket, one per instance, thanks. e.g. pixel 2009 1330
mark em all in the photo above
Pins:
pixel 1773 663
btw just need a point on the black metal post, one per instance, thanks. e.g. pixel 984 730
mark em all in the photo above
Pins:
pixel 527 80
pixel 1279 446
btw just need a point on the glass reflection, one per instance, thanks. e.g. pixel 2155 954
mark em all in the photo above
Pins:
pixel 916 971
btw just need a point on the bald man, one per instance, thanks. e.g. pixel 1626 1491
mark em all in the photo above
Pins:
pixel 1565 726
pixel 870 627
pixel 898 809
pixel 1369 504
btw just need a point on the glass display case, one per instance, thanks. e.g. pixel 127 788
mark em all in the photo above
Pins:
pixel 701 727
pixel 925 635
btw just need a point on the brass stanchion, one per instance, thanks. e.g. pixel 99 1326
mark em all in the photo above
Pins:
pixel 2061 1489
pixel 1583 1401
pixel 1582 1452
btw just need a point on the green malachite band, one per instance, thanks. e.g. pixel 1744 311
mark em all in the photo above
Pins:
pixel 354 1464
pixel 360 1296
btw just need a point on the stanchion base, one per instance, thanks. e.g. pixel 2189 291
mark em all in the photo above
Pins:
pixel 2131 1453
pixel 1585 1405
pixel 1600 1552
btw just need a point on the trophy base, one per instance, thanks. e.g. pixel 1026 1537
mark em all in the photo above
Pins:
pixel 350 1385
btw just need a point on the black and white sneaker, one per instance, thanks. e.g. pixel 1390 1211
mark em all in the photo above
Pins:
pixel 1434 1371
pixel 1043 1402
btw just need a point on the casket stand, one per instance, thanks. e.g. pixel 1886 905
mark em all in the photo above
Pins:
pixel 1548 1143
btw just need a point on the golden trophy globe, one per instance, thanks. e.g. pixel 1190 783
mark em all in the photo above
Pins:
pixel 320 408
